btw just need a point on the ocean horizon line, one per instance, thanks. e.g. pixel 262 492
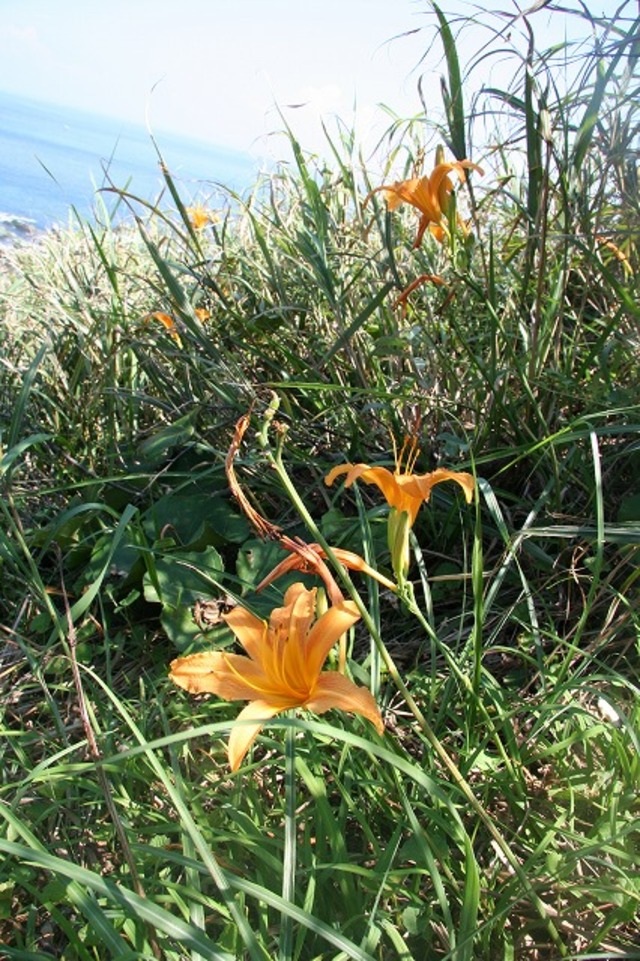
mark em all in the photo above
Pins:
pixel 126 122
pixel 54 159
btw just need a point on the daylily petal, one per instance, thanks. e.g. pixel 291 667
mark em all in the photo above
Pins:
pixel 336 690
pixel 231 676
pixel 441 184
pixel 393 485
pixel 325 632
pixel 356 563
pixel 400 192
pixel 425 198
pixel 421 486
pixel 340 469
pixel 271 682
pixel 196 673
pixel 296 613
pixel 302 605
pixel 421 279
pixel 422 226
pixel 167 322
pixel 469 165
pixel 249 629
pixel 199 216
pixel 293 562
pixel 283 656
pixel 380 476
pixel 406 500
pixel 438 232
pixel 244 733
pixel 417 192
pixel 300 562
pixel 445 189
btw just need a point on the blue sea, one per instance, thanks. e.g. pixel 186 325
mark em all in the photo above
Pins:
pixel 53 160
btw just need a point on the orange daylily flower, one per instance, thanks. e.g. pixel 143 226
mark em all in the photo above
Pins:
pixel 430 195
pixel 404 492
pixel 283 669
pixel 402 489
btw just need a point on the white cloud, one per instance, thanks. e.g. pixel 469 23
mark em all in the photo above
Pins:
pixel 28 35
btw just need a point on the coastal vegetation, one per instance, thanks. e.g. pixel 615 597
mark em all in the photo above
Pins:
pixel 402 391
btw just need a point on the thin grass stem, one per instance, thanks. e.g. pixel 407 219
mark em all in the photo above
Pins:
pixel 289 855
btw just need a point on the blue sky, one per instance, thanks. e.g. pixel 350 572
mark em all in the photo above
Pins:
pixel 211 68
pixel 215 69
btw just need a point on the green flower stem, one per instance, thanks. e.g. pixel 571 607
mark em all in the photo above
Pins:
pixel 275 459
pixel 289 857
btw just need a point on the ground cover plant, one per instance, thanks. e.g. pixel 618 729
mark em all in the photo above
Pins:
pixel 408 401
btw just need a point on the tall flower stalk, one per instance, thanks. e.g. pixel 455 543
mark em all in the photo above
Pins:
pixel 275 459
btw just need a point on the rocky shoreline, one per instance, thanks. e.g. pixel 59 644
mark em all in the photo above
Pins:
pixel 14 228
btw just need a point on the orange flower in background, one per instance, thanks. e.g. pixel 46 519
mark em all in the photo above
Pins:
pixel 283 669
pixel 430 195
pixel 617 253
pixel 435 279
pixel 405 492
pixel 167 322
pixel 402 489
pixel 199 216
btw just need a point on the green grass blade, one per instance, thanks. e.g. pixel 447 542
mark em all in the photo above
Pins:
pixel 470 907
pixel 356 324
pixel 453 94
pixel 137 907
pixel 22 398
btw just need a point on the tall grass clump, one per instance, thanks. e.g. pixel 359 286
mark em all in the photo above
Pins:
pixel 409 404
